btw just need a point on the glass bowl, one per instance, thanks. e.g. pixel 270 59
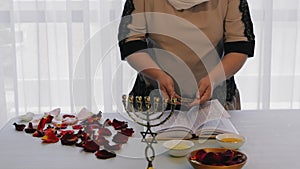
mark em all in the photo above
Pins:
pixel 232 141
pixel 178 148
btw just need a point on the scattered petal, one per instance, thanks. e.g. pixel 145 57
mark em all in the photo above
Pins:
pixel 38 133
pixel 113 147
pixel 127 131
pixel 84 114
pixel 68 115
pixel 50 130
pixel 69 139
pixel 77 127
pixel 107 122
pixel 119 124
pixel 100 140
pixel 68 120
pixel 50 136
pixel 90 135
pixel 80 144
pixel 90 146
pixel 30 128
pixel 120 138
pixel 41 124
pixel 89 130
pixel 54 112
pixel 19 127
pixel 94 126
pixel 49 118
pixel 93 119
pixel 83 135
pixel 104 131
pixel 63 132
pixel 104 154
pixel 60 126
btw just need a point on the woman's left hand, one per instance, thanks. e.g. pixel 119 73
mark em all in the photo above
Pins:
pixel 204 93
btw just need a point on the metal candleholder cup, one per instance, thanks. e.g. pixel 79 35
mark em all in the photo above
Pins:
pixel 148 112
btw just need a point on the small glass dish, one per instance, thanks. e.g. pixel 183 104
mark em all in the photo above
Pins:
pixel 178 148
pixel 230 140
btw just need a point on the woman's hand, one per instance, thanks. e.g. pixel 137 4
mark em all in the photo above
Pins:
pixel 143 63
pixel 230 64
pixel 165 82
pixel 204 93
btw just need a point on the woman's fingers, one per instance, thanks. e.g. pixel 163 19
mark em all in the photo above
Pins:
pixel 169 93
pixel 204 92
pixel 166 85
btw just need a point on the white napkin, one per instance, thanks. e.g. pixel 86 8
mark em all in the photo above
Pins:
pixel 185 4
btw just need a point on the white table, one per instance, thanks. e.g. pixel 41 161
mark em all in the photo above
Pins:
pixel 272 142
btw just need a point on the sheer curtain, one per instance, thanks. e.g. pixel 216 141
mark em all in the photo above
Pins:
pixel 64 53
pixel 271 80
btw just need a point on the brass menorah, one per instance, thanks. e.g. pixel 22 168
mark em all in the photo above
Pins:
pixel 148 112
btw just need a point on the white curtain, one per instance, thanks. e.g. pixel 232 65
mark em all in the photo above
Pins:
pixel 271 80
pixel 64 53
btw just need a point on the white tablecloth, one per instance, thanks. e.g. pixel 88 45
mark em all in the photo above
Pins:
pixel 272 142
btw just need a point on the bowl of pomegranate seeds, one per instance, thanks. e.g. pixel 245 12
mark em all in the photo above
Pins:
pixel 217 158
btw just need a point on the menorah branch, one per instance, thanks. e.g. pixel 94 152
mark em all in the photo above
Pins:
pixel 148 112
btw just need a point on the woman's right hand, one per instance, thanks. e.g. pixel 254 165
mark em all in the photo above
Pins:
pixel 166 86
pixel 165 82
pixel 142 62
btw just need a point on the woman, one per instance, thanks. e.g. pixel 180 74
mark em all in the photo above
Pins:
pixel 189 49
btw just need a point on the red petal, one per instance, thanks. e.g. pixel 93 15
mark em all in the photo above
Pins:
pixel 83 135
pixel 77 127
pixel 69 139
pixel 60 126
pixel 69 120
pixel 19 127
pixel 80 144
pixel 127 131
pixel 38 133
pixel 49 118
pixel 94 125
pixel 104 154
pixel 90 146
pixel 63 132
pixel 68 115
pixel 120 138
pixel 100 140
pixel 107 122
pixel 113 147
pixel 98 116
pixel 41 124
pixel 119 124
pixel 104 132
pixel 30 130
pixel 50 130
pixel 89 130
pixel 93 119
pixel 50 137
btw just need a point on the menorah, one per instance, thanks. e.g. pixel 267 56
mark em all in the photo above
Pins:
pixel 148 112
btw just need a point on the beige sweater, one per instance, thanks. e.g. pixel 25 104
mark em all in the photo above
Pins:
pixel 188 43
